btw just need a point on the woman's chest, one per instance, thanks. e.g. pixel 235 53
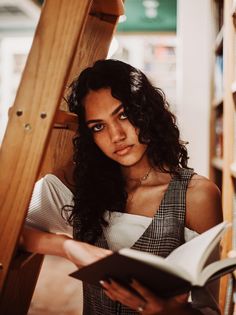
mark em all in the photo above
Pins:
pixel 146 200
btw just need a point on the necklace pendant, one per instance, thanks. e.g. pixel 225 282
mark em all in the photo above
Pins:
pixel 144 177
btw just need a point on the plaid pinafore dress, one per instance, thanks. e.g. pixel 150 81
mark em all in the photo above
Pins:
pixel 163 235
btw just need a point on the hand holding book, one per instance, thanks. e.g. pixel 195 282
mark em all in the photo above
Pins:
pixel 164 277
pixel 83 254
pixel 144 301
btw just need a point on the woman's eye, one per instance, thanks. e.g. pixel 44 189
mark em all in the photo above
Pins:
pixel 97 128
pixel 123 116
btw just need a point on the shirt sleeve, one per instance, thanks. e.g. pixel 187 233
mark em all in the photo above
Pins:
pixel 45 209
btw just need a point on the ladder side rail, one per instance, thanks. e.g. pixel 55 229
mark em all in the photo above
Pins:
pixel 32 115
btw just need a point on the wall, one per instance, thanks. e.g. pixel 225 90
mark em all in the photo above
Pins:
pixel 195 39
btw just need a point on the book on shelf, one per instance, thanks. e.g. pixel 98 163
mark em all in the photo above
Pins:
pixel 219 41
pixel 184 268
pixel 219 136
pixel 218 78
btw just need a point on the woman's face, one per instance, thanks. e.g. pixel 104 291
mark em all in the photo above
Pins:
pixel 112 131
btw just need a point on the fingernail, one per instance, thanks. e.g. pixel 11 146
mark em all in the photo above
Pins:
pixel 102 282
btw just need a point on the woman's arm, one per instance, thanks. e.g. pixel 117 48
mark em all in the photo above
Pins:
pixel 203 204
pixel 44 214
pixel 203 211
pixel 36 241
pixel 80 253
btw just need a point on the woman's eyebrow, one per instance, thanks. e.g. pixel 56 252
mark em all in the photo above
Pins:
pixel 115 111
pixel 92 121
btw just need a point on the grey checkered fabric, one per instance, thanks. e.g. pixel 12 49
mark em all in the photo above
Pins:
pixel 164 234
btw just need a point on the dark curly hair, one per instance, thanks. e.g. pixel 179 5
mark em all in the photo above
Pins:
pixel 99 185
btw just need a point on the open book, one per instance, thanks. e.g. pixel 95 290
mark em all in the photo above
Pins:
pixel 183 268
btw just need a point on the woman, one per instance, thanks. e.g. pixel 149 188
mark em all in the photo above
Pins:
pixel 132 186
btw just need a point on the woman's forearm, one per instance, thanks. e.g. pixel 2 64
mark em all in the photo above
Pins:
pixel 40 242
pixel 80 253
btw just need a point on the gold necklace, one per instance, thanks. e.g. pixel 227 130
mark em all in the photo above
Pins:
pixel 139 180
pixel 143 178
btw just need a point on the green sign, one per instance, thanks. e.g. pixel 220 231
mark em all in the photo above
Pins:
pixel 149 16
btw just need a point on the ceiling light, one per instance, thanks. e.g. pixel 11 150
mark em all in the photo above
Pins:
pixel 150 7
pixel 150 3
pixel 151 13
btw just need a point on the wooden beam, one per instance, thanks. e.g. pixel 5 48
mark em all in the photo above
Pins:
pixel 17 296
pixel 93 46
pixel 111 7
pixel 39 94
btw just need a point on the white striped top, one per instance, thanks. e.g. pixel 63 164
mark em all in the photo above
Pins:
pixel 45 213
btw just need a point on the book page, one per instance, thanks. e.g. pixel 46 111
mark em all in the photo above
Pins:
pixel 156 261
pixel 217 269
pixel 192 255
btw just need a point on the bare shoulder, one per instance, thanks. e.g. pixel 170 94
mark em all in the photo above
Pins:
pixel 203 204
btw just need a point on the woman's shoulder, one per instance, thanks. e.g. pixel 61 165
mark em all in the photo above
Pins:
pixel 50 179
pixel 52 182
pixel 200 186
pixel 203 204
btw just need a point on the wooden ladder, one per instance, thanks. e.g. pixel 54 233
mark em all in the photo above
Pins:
pixel 71 35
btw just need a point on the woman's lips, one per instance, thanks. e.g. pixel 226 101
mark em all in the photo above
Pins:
pixel 123 151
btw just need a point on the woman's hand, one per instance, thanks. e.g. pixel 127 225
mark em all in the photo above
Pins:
pixel 145 301
pixel 83 254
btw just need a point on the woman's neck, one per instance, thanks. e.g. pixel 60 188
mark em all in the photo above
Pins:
pixel 144 174
pixel 136 171
pixel 138 174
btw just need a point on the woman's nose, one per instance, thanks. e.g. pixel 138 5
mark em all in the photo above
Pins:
pixel 117 133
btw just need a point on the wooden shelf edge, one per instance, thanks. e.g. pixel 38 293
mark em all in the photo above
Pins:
pixel 233 169
pixel 21 259
pixel 233 89
pixel 217 163
pixel 65 120
pixel 219 41
pixel 217 102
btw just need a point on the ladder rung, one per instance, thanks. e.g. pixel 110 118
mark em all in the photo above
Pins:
pixel 21 259
pixel 111 7
pixel 65 120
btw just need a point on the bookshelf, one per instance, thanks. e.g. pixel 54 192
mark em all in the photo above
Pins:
pixel 223 131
